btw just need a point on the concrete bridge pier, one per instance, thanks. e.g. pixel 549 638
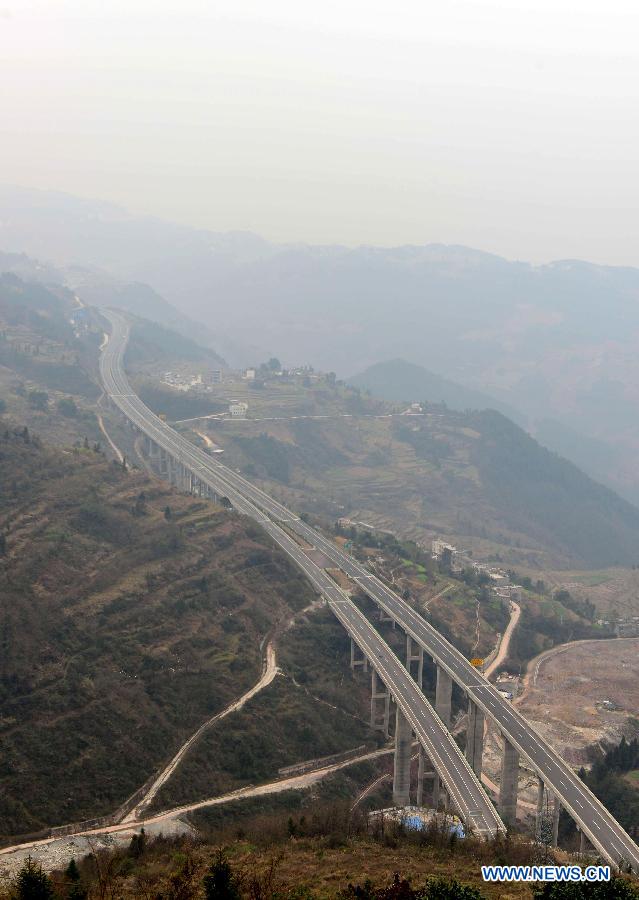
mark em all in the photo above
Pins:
pixel 384 618
pixel 539 816
pixel 401 767
pixel 163 462
pixel 421 765
pixel 377 694
pixel 556 811
pixel 475 738
pixel 412 657
pixel 440 793
pixel 363 662
pixel 154 453
pixel 509 783
pixel 583 843
pixel 443 696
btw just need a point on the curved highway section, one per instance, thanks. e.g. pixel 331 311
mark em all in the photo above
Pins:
pixel 464 787
pixel 601 828
pixel 591 816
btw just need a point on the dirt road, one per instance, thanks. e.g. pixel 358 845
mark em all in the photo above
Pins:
pixel 268 674
pixel 57 852
pixel 504 644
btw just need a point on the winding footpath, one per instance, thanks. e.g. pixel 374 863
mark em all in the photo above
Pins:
pixel 268 675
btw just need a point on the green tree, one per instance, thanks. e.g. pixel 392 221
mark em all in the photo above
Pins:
pixel 72 873
pixel 220 883
pixel 38 400
pixel 32 883
pixel 615 889
pixel 137 845
pixel 67 407
pixel 76 890
pixel 140 505
pixel 441 889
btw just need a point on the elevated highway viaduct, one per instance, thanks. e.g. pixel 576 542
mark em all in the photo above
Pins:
pixel 194 471
pixel 557 781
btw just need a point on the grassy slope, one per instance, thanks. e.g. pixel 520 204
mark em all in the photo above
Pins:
pixel 314 709
pixel 120 632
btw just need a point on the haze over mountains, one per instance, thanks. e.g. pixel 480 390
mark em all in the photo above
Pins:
pixel 557 343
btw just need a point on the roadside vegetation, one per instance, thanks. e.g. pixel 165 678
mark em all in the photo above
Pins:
pixel 319 853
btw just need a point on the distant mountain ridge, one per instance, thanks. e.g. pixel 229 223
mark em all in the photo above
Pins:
pixel 399 380
pixel 556 342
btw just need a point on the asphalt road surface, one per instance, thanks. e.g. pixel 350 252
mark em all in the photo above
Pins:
pixel 465 789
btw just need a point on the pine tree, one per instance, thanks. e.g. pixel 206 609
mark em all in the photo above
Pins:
pixel 72 872
pixel 221 883
pixel 32 883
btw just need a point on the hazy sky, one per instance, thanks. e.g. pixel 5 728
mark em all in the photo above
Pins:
pixel 510 126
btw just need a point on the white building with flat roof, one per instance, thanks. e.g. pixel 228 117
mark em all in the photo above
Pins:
pixel 238 410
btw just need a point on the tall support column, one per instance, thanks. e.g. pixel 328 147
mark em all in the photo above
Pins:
pixel 555 821
pixel 583 842
pixel 443 694
pixel 437 791
pixel 377 694
pixel 421 764
pixel 475 738
pixel 154 457
pixel 412 657
pixel 401 768
pixel 384 618
pixel 363 662
pixel 539 818
pixel 509 783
